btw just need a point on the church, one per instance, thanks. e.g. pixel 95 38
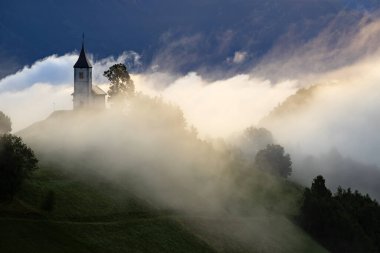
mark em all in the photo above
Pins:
pixel 85 95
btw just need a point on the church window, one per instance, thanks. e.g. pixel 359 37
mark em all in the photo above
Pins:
pixel 80 75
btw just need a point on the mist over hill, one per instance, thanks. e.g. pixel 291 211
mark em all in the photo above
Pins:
pixel 152 155
pixel 181 157
pixel 278 46
pixel 330 129
pixel 231 35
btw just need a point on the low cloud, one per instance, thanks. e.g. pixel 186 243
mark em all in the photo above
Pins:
pixel 234 103
pixel 34 103
pixel 343 109
pixel 342 113
pixel 218 108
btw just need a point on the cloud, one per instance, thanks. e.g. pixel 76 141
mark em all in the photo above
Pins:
pixel 36 91
pixel 53 70
pixel 234 103
pixel 342 112
pixel 58 70
pixel 239 57
pixel 35 103
pixel 224 107
pixel 218 108
pixel 335 47
pixel 175 53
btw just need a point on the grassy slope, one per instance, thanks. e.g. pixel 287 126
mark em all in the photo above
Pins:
pixel 96 217
pixel 88 217
pixel 92 215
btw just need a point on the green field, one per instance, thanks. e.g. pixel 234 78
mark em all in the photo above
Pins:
pixel 88 217
pixel 95 216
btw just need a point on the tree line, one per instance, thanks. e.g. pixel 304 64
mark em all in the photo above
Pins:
pixel 346 221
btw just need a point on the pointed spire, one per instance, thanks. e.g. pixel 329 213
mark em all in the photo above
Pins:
pixel 83 40
pixel 82 61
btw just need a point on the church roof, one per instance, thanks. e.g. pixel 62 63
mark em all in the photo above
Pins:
pixel 96 90
pixel 82 62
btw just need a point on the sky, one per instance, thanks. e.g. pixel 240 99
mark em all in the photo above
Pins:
pixel 183 36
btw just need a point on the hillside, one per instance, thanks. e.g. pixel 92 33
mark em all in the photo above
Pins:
pixel 88 217
pixel 161 190
pixel 96 217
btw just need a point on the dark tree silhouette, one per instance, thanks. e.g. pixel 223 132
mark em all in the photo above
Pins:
pixel 121 84
pixel 17 162
pixel 274 159
pixel 5 123
pixel 319 188
pixel 344 222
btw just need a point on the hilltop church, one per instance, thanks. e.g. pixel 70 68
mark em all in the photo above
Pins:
pixel 85 95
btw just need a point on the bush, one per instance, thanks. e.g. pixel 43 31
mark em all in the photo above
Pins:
pixel 17 162
pixel 274 159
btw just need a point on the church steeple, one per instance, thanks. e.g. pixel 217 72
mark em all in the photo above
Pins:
pixel 85 95
pixel 82 81
pixel 82 62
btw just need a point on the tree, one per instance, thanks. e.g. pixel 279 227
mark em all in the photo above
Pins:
pixel 256 139
pixel 318 188
pixel 5 123
pixel 17 162
pixel 346 222
pixel 274 159
pixel 121 84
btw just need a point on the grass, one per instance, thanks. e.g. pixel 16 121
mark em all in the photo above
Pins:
pixel 88 216
pixel 92 215
pixel 142 235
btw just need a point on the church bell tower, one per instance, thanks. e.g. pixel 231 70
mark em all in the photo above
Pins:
pixel 82 81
